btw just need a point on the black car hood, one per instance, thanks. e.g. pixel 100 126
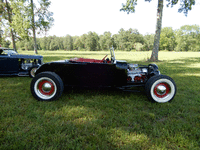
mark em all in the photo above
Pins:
pixel 26 56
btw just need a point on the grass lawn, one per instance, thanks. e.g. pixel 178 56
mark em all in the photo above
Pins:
pixel 104 119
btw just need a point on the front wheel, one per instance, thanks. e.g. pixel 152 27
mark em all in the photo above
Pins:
pixel 160 88
pixel 47 86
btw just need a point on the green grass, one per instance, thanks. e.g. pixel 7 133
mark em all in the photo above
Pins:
pixel 104 119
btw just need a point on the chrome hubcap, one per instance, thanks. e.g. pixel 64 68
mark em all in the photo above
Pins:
pixel 46 87
pixel 161 89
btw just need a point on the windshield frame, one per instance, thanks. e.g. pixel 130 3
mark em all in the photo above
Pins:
pixel 9 52
pixel 112 53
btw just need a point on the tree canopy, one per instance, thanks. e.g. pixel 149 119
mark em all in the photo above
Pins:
pixel 187 38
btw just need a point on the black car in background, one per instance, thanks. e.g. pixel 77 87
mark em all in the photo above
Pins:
pixel 12 63
pixel 50 79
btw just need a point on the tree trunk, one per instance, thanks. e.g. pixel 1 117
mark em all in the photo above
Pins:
pixel 154 55
pixel 1 31
pixel 33 27
pixel 1 39
pixel 11 30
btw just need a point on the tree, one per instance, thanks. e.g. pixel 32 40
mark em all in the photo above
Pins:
pixel 29 19
pixel 149 40
pixel 4 43
pixel 33 26
pixel 125 40
pixel 44 43
pixel 91 41
pixel 78 45
pixel 20 20
pixel 167 39
pixel 187 38
pixel 1 12
pixel 106 41
pixel 68 42
pixel 186 5
pixel 8 16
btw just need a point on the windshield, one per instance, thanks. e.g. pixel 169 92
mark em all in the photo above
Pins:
pixel 9 52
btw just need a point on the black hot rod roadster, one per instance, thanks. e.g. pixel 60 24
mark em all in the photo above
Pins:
pixel 50 79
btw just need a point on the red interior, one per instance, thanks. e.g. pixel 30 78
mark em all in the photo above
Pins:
pixel 88 60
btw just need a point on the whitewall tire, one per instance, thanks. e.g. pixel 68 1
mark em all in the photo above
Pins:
pixel 47 86
pixel 160 88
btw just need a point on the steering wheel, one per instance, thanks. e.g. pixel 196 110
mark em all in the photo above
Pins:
pixel 104 58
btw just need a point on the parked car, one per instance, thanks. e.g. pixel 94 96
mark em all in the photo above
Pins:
pixel 50 79
pixel 12 63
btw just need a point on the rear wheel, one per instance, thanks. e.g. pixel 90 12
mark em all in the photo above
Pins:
pixel 160 88
pixel 47 86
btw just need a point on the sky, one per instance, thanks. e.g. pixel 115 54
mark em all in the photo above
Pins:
pixel 77 17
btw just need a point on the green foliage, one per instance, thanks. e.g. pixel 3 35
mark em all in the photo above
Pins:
pixel 149 41
pixel 78 44
pixel 5 43
pixel 139 47
pixel 187 38
pixel 106 41
pixel 125 40
pixel 44 43
pixel 54 43
pixel 22 21
pixel 45 17
pixel 129 7
pixel 68 42
pixel 91 42
pixel 3 12
pixel 167 39
pixel 185 5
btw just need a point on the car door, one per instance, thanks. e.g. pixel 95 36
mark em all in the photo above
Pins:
pixel 102 74
pixel 3 64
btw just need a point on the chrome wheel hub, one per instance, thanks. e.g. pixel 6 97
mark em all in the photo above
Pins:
pixel 161 89
pixel 46 87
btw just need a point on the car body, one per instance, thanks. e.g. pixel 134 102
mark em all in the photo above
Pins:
pixel 12 63
pixel 51 77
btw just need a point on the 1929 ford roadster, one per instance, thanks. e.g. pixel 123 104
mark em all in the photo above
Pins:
pixel 12 63
pixel 50 79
